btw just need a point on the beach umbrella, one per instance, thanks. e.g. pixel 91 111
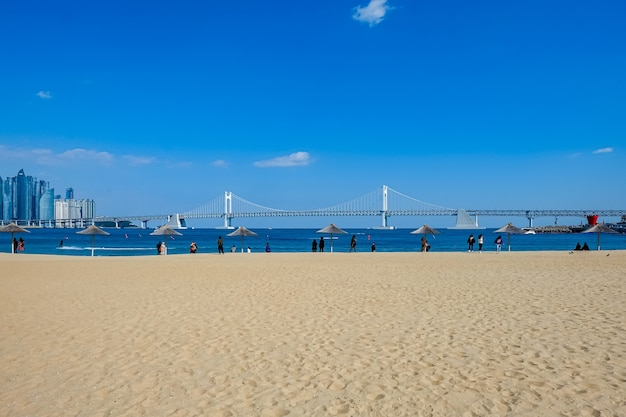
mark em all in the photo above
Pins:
pixel 93 230
pixel 242 231
pixel 599 228
pixel 425 230
pixel 13 228
pixel 165 230
pixel 509 229
pixel 332 229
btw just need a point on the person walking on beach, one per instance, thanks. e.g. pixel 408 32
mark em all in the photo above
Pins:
pixel 481 240
pixel 314 246
pixel 498 243
pixel 158 246
pixel 321 245
pixel 163 248
pixel 220 245
pixel 353 244
pixel 193 248
pixel 373 246
pixel 470 243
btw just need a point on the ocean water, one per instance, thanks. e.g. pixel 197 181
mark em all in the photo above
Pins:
pixel 139 242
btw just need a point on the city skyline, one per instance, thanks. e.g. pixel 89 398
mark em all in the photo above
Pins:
pixel 30 201
pixel 160 109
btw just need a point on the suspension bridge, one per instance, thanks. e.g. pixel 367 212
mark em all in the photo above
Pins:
pixel 383 202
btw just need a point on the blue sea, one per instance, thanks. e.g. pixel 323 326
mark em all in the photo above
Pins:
pixel 139 242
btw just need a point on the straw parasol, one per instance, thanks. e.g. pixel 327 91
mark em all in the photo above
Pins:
pixel 13 228
pixel 165 230
pixel 242 231
pixel 509 229
pixel 425 230
pixel 332 229
pixel 599 228
pixel 93 230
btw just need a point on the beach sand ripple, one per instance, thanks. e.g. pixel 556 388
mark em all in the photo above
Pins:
pixel 383 334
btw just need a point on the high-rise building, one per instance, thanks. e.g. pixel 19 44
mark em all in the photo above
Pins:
pixel 24 199
pixel 69 193
pixel 68 211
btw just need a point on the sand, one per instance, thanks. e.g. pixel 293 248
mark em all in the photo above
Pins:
pixel 333 334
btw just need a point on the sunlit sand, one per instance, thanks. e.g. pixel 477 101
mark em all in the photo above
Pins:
pixel 361 334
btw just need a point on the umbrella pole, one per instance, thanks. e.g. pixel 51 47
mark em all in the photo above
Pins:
pixel 92 244
pixel 12 245
pixel 598 240
pixel 331 243
pixel 508 240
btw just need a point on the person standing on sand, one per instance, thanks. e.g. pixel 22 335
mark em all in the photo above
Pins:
pixel 353 244
pixel 481 240
pixel 314 246
pixel 470 243
pixel 220 245
pixel 321 245
pixel 193 248
pixel 498 243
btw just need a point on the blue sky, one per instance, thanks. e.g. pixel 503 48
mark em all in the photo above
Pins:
pixel 160 107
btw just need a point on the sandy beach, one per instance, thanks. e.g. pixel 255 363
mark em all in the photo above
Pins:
pixel 333 334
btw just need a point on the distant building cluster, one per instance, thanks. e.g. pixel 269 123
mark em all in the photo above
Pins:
pixel 29 201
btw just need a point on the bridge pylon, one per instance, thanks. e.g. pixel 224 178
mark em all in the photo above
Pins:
pixel 228 209
pixel 384 214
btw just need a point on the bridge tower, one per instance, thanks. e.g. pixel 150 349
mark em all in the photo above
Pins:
pixel 228 209
pixel 385 208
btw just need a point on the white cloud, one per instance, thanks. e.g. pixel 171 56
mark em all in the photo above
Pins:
pixel 79 154
pixel 43 156
pixel 603 150
pixel 135 160
pixel 44 95
pixel 295 159
pixel 373 13
pixel 220 163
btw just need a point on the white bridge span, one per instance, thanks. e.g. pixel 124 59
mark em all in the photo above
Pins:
pixel 383 202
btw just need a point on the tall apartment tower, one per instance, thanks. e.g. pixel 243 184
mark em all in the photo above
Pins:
pixel 69 193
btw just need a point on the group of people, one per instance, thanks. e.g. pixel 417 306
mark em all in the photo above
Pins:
pixel 161 248
pixel 583 247
pixel 471 240
pixel 18 245
pixel 193 248
pixel 315 246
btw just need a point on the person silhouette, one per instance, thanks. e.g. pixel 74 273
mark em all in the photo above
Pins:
pixel 470 243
